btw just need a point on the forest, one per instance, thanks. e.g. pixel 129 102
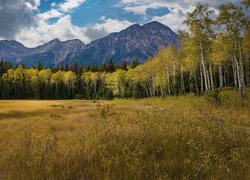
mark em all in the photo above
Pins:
pixel 213 53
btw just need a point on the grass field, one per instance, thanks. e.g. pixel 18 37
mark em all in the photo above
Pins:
pixel 183 137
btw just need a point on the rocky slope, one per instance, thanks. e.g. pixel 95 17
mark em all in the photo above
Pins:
pixel 135 42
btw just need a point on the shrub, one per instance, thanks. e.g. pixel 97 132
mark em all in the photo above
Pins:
pixel 214 96
pixel 109 94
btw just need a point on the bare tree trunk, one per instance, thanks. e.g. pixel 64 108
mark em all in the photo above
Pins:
pixel 146 89
pixel 196 82
pixel 161 88
pixel 204 67
pixel 242 78
pixel 211 75
pixel 182 83
pixel 202 81
pixel 152 86
pixel 149 89
pixel 169 90
pixel 234 73
pixel 174 76
pixel 221 76
pixel 208 80
pixel 248 70
pixel 238 75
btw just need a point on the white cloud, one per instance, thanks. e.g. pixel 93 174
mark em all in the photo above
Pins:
pixel 106 27
pixel 15 15
pixel 53 13
pixel 44 32
pixel 173 20
pixel 28 5
pixel 65 30
pixel 53 5
pixel 112 25
pixel 140 6
pixel 61 9
pixel 33 4
pixel 69 5
pixel 178 9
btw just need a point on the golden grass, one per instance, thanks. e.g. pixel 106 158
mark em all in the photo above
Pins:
pixel 177 137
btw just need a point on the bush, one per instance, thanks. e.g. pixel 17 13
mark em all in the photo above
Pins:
pixel 109 94
pixel 214 96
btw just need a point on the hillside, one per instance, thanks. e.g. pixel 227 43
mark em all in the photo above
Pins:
pixel 135 42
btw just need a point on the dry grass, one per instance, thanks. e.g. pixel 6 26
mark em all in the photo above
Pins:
pixel 173 138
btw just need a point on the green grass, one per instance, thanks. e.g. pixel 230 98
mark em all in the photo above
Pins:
pixel 183 137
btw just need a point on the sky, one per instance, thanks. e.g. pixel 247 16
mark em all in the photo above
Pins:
pixel 34 22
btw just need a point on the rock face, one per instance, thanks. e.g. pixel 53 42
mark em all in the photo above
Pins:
pixel 136 41
pixel 51 53
pixel 13 50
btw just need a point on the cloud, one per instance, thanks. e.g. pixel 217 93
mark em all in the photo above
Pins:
pixel 140 6
pixel 15 15
pixel 53 13
pixel 69 5
pixel 173 19
pixel 39 29
pixel 65 30
pixel 178 9
pixel 44 32
pixel 106 27
pixel 20 15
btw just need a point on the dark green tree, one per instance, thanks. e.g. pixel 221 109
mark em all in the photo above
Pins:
pixel 134 63
pixel 40 65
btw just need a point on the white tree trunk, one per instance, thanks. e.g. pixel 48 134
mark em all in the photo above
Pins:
pixel 221 76
pixel 202 81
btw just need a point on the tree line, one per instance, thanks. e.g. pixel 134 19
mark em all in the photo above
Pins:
pixel 214 53
pixel 61 82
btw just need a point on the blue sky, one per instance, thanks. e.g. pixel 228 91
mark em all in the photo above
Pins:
pixel 91 11
pixel 33 22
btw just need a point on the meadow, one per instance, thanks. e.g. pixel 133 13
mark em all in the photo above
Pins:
pixel 185 137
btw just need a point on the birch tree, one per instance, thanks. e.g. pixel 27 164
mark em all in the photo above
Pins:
pixel 233 19
pixel 199 23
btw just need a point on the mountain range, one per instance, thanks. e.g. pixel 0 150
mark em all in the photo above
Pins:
pixel 135 42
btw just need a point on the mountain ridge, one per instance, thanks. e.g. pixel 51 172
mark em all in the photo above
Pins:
pixel 135 42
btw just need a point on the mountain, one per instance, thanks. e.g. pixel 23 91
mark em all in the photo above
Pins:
pixel 54 52
pixel 51 53
pixel 13 50
pixel 135 42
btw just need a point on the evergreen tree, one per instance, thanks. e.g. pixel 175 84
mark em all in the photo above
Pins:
pixel 111 66
pixel 124 65
pixel 40 65
pixel 134 63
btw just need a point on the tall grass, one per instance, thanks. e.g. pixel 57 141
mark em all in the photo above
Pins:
pixel 175 138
